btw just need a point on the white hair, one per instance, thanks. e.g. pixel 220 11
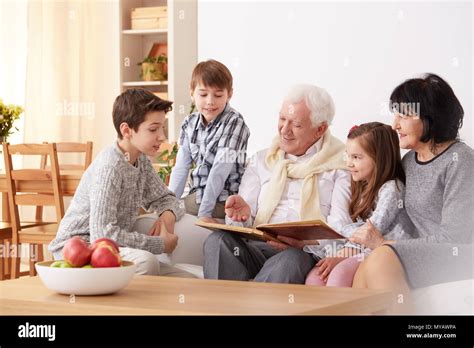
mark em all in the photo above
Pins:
pixel 317 100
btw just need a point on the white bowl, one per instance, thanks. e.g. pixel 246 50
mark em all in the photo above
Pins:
pixel 85 281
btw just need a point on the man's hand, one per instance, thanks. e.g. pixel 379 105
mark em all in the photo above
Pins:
pixel 326 265
pixel 368 235
pixel 237 209
pixel 208 219
pixel 291 242
pixel 170 240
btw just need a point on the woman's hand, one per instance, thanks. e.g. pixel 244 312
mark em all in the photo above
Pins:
pixel 368 235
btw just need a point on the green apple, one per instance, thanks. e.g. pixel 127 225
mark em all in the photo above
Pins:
pixel 87 266
pixel 61 264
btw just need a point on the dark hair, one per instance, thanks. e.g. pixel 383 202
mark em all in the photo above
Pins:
pixel 381 143
pixel 213 74
pixel 436 104
pixel 132 106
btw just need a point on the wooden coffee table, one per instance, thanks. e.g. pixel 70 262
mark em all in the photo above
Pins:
pixel 151 295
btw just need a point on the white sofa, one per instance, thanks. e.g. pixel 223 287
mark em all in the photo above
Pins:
pixel 447 298
pixel 188 255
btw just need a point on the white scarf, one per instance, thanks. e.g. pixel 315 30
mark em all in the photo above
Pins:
pixel 330 157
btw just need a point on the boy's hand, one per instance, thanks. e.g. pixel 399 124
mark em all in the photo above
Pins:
pixel 208 219
pixel 170 240
pixel 168 219
pixel 237 208
pixel 155 229
pixel 326 265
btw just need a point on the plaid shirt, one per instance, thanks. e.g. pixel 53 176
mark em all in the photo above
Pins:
pixel 221 143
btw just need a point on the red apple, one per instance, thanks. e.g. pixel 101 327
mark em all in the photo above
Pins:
pixel 105 256
pixel 77 252
pixel 105 241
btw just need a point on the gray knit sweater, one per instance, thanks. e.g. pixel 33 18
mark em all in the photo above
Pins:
pixel 440 196
pixel 108 199
pixel 439 200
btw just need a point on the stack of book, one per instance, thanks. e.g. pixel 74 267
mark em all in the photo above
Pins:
pixel 150 17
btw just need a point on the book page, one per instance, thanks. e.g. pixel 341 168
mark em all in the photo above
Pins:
pixel 244 232
pixel 302 230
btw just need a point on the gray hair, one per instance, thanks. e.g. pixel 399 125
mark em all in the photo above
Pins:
pixel 317 100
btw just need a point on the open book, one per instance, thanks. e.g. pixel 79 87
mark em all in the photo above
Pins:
pixel 302 230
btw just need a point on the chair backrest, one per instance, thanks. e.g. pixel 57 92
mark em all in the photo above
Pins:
pixel 85 148
pixel 33 187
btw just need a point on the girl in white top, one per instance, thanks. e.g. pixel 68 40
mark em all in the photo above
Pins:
pixel 377 187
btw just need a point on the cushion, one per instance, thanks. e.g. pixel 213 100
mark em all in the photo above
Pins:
pixel 453 298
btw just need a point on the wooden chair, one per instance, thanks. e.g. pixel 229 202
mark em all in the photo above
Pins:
pixel 85 148
pixel 6 235
pixel 32 187
pixel 6 242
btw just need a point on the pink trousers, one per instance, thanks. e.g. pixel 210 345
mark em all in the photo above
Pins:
pixel 341 276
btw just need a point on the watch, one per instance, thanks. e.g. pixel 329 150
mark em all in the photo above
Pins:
pixel 169 211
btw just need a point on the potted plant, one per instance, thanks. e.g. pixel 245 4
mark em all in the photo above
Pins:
pixel 167 159
pixel 154 68
pixel 8 115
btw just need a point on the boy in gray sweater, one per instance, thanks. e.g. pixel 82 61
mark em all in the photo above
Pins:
pixel 120 181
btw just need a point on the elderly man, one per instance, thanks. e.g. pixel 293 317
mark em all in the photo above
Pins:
pixel 301 176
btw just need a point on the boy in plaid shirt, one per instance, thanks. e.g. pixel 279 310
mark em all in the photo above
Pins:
pixel 214 139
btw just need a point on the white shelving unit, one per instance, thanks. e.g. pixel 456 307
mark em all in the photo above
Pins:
pixel 144 31
pixel 181 38
pixel 144 83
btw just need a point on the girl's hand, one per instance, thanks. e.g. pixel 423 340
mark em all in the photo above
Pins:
pixel 368 235
pixel 326 265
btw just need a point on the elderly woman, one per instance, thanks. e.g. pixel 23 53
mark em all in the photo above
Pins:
pixel 439 195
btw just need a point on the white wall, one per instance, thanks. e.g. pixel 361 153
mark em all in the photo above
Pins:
pixel 358 51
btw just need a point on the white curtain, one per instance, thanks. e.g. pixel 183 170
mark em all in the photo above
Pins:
pixel 13 38
pixel 72 71
pixel 60 61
